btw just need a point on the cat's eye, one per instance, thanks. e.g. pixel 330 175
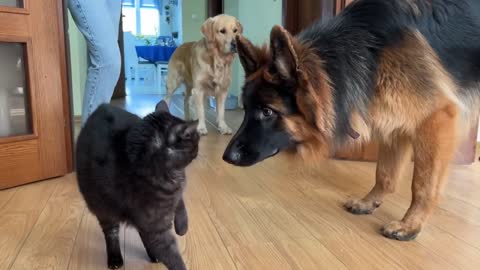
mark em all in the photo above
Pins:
pixel 223 30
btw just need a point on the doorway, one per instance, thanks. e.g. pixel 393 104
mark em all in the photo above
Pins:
pixel 151 32
pixel 149 24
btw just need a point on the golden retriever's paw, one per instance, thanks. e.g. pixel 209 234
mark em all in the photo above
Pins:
pixel 361 207
pixel 399 230
pixel 224 129
pixel 202 129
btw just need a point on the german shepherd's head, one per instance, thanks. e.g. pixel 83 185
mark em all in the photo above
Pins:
pixel 287 99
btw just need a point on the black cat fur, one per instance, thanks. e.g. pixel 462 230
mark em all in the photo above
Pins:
pixel 132 170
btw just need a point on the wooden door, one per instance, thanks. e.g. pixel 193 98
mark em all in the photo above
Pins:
pixel 214 7
pixel 299 14
pixel 35 133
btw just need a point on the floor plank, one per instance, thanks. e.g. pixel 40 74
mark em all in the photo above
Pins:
pixel 50 243
pixel 278 214
pixel 5 196
pixel 89 251
pixel 18 217
pixel 259 256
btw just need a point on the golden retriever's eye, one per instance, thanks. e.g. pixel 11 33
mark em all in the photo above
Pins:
pixel 235 30
pixel 223 31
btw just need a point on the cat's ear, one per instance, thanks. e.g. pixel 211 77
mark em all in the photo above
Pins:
pixel 162 106
pixel 183 131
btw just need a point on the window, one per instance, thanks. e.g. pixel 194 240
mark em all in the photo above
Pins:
pixel 149 4
pixel 129 19
pixel 149 22
pixel 141 17
pixel 128 3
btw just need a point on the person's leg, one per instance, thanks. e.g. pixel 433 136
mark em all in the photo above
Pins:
pixel 115 9
pixel 98 21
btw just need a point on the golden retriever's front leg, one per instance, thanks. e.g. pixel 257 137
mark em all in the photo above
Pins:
pixel 240 101
pixel 433 145
pixel 198 96
pixel 186 104
pixel 222 125
pixel 392 158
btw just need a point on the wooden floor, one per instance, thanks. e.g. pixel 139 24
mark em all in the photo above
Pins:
pixel 276 215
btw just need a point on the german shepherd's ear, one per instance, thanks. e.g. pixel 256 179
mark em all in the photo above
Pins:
pixel 284 56
pixel 248 55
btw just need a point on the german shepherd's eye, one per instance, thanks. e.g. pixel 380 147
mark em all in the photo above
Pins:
pixel 223 30
pixel 267 112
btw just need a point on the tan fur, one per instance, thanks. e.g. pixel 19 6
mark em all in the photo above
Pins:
pixel 406 75
pixel 204 67
pixel 415 104
pixel 401 115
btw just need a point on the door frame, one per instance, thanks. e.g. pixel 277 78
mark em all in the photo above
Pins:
pixel 214 7
pixel 66 84
pixel 291 9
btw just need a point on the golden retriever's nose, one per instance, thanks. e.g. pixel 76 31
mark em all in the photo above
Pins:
pixel 233 46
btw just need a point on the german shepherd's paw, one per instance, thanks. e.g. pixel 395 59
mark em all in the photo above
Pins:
pixel 361 207
pixel 401 231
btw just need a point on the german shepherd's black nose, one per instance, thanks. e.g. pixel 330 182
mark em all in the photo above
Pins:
pixel 232 155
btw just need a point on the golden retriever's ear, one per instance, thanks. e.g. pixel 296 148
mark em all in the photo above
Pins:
pixel 248 55
pixel 239 27
pixel 284 56
pixel 207 29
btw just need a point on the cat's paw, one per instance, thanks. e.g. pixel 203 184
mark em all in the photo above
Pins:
pixel 224 129
pixel 202 129
pixel 181 224
pixel 115 262
pixel 181 227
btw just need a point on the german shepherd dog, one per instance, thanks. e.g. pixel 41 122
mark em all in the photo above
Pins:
pixel 401 71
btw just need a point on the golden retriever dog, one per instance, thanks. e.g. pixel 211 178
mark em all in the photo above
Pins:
pixel 204 67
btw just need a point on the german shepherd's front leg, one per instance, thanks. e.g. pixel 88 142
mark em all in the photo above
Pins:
pixel 391 160
pixel 433 149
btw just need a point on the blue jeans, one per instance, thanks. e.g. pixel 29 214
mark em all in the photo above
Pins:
pixel 98 20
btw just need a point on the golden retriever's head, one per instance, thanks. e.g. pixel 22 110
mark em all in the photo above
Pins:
pixel 222 31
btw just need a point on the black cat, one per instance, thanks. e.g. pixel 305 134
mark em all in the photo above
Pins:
pixel 132 170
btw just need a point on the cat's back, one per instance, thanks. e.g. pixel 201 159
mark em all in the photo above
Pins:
pixel 99 140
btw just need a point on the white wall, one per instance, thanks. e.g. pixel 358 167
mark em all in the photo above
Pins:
pixel 79 63
pixel 194 13
pixel 257 18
